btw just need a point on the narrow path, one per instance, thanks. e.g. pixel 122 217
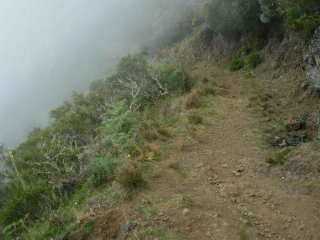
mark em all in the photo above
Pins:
pixel 220 194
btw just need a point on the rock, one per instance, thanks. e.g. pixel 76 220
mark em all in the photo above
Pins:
pixel 185 211
pixel 200 165
pixel 225 165
pixel 301 227
pixel 296 139
pixel 296 125
pixel 236 173
pixel 127 228
pixel 278 142
pixel 241 169
pixel 312 62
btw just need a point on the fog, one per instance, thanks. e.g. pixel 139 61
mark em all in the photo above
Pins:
pixel 50 48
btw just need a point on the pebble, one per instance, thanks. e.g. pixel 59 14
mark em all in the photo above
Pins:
pixel 236 173
pixel 185 211
pixel 200 165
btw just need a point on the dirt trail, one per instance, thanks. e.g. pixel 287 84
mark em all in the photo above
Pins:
pixel 220 193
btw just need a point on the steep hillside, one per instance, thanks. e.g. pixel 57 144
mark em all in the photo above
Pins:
pixel 212 137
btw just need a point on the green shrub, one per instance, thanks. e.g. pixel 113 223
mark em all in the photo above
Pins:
pixel 279 157
pixel 301 15
pixel 174 79
pixel 236 64
pixel 79 118
pixel 305 24
pixel 130 177
pixel 25 205
pixel 252 60
pixel 193 99
pixel 140 83
pixel 134 82
pixel 245 59
pixel 121 126
pixel 233 17
pixel 101 170
pixel 48 155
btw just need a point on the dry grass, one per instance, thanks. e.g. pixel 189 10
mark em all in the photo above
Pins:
pixel 193 100
pixel 195 119
pixel 130 177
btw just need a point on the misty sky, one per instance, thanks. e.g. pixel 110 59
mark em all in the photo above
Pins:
pixel 49 48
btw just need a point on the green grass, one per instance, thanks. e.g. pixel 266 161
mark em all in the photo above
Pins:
pixel 245 60
pixel 279 157
pixel 102 170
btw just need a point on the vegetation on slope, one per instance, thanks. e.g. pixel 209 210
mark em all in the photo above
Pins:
pixel 92 137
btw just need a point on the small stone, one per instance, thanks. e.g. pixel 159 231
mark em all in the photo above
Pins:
pixel 236 173
pixel 185 211
pixel 126 228
pixel 241 169
pixel 210 179
pixel 301 227
pixel 200 165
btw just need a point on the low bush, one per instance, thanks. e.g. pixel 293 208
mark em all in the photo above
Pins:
pixel 57 226
pixel 101 170
pixel 193 100
pixel 130 177
pixel 207 91
pixel 245 59
pixel 174 79
pixel 236 64
pixel 195 119
pixel 252 60
pixel 279 157
pixel 140 84
pixel 232 18
pixel 301 15
pixel 25 205
pixel 120 128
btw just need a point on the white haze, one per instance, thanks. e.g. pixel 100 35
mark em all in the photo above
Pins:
pixel 50 48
